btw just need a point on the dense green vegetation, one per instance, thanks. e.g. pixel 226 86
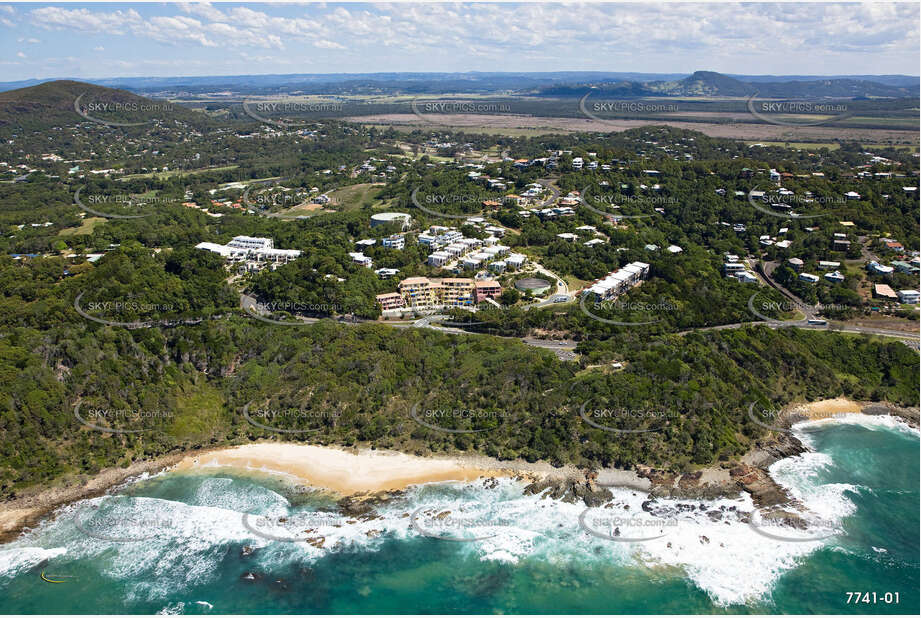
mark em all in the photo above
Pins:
pixel 357 385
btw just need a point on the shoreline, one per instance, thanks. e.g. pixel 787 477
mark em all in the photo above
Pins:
pixel 361 474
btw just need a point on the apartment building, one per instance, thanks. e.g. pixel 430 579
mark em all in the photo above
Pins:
pixel 457 292
pixel 418 293
pixel 424 294
pixel 250 242
pixel 486 289
pixel 619 281
pixel 257 251
pixel 390 301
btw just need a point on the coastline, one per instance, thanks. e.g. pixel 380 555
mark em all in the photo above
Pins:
pixel 367 474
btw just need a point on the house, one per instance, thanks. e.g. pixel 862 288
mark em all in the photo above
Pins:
pixel 674 249
pixel 808 278
pixel 840 244
pixel 909 297
pixel 895 246
pixel 731 269
pixel 439 259
pixel 394 242
pixel 905 267
pixel 796 264
pixel 852 195
pixel 568 236
pixel 883 291
pixel 746 277
pixel 386 273
pixel 834 277
pixel 360 258
pixel 515 261
pixel 823 265
pixel 879 269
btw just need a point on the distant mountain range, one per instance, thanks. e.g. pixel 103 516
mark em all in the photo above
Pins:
pixel 710 84
pixel 560 83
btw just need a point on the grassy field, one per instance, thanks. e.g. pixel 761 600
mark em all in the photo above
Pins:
pixel 357 196
pixel 87 227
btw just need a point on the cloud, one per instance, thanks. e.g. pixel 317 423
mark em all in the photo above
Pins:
pixel 20 55
pixel 679 36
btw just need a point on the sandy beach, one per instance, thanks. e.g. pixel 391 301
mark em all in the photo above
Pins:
pixel 826 408
pixel 350 472
pixel 344 472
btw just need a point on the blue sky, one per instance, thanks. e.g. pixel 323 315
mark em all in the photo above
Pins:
pixel 167 39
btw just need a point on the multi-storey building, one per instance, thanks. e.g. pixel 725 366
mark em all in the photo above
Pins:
pixel 424 294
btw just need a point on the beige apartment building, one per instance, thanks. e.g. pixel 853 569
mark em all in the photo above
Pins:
pixel 422 293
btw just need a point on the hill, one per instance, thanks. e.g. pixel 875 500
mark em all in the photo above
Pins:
pixel 53 104
pixel 712 84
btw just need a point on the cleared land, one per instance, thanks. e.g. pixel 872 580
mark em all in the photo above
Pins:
pixel 505 124
pixel 85 228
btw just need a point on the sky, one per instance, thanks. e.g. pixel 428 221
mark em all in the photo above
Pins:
pixel 84 40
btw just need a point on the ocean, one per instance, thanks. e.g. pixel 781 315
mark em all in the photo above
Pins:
pixel 200 543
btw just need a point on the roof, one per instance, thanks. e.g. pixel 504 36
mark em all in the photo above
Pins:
pixel 881 289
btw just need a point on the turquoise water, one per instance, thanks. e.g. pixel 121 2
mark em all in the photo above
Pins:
pixel 217 543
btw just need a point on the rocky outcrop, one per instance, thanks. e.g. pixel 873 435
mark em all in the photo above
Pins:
pixel 757 482
pixel 585 490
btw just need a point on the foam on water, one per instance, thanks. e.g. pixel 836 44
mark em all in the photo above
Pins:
pixel 872 422
pixel 15 560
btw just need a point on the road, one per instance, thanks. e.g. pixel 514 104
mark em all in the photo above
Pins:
pixel 766 270
pixel 547 183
